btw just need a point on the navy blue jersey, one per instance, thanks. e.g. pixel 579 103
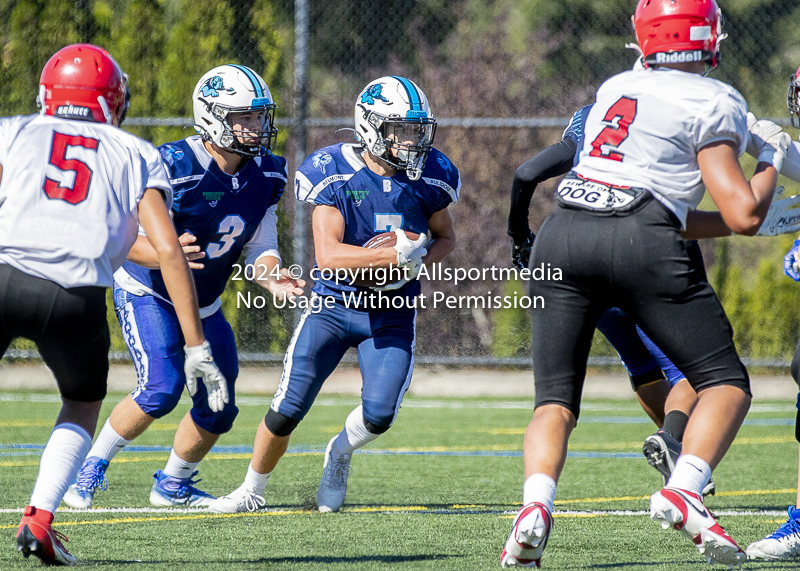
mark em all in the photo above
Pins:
pixel 575 130
pixel 372 204
pixel 228 214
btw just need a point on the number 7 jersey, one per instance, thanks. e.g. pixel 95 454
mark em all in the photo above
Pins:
pixel 69 194
pixel 646 128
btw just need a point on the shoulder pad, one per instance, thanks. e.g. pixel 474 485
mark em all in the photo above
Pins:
pixel 442 174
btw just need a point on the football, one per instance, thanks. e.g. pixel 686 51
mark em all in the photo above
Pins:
pixel 387 240
pixel 384 240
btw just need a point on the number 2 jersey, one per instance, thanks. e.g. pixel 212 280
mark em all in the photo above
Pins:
pixel 646 128
pixel 228 214
pixel 372 204
pixel 69 195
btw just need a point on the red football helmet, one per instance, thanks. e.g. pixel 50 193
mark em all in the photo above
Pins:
pixel 83 82
pixel 793 98
pixel 676 31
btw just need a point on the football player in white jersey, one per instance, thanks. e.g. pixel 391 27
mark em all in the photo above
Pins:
pixel 655 140
pixel 74 188
pixel 784 543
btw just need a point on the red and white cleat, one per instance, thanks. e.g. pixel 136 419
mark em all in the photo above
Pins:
pixel 36 537
pixel 686 512
pixel 528 537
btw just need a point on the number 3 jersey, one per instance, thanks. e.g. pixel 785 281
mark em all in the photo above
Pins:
pixel 372 204
pixel 646 128
pixel 228 214
pixel 69 194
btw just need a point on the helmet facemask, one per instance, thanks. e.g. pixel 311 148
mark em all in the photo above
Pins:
pixel 793 101
pixel 411 139
pixel 229 137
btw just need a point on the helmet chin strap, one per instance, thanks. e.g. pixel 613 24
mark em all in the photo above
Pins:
pixel 106 111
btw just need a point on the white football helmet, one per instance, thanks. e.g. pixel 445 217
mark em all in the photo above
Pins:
pixel 393 113
pixel 229 89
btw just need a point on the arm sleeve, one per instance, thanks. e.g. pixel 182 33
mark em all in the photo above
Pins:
pixel 264 241
pixel 555 160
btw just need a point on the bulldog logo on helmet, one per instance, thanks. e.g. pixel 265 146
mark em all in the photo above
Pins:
pixel 213 86
pixel 372 93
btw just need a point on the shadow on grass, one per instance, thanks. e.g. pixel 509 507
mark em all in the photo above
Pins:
pixel 222 563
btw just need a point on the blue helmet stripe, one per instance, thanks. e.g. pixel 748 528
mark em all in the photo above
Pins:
pixel 253 79
pixel 413 96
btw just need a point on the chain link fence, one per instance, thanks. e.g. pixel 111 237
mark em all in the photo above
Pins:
pixel 503 78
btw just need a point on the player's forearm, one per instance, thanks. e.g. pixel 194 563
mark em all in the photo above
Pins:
pixel 345 256
pixel 439 249
pixel 266 270
pixel 143 254
pixel 180 286
pixel 702 224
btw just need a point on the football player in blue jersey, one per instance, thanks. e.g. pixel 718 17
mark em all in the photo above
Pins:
pixel 392 180
pixel 227 184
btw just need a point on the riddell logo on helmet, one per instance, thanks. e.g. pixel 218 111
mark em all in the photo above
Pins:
pixel 73 111
pixel 679 57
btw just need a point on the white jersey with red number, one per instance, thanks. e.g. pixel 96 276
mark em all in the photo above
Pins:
pixel 646 127
pixel 69 194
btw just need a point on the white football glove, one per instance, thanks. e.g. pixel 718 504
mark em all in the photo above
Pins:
pixel 200 363
pixel 782 217
pixel 768 142
pixel 409 253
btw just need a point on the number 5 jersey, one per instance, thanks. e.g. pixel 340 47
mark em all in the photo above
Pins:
pixel 68 197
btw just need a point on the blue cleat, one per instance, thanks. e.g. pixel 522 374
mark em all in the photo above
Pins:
pixel 91 476
pixel 783 544
pixel 171 492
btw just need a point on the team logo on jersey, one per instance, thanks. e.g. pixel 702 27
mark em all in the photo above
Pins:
pixel 372 93
pixel 445 163
pixel 320 160
pixel 357 195
pixel 172 154
pixel 213 197
pixel 213 86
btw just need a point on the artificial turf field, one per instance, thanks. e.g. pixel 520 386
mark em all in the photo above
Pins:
pixel 436 492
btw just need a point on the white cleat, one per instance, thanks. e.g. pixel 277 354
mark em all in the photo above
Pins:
pixel 685 511
pixel 783 544
pixel 525 545
pixel 240 500
pixel 333 485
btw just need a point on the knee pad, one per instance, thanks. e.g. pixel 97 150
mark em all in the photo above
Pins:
pixel 215 422
pixel 375 429
pixel 157 405
pixel 797 427
pixel 278 424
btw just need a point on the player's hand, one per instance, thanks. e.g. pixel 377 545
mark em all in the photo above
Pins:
pixel 191 251
pixel 286 287
pixel 410 252
pixel 200 363
pixel 782 217
pixel 791 267
pixel 521 253
pixel 768 142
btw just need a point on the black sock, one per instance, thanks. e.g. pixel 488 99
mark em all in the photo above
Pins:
pixel 675 423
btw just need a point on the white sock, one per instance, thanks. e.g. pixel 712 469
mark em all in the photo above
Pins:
pixel 354 435
pixel 177 467
pixel 539 488
pixel 62 457
pixel 691 473
pixel 108 443
pixel 256 481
